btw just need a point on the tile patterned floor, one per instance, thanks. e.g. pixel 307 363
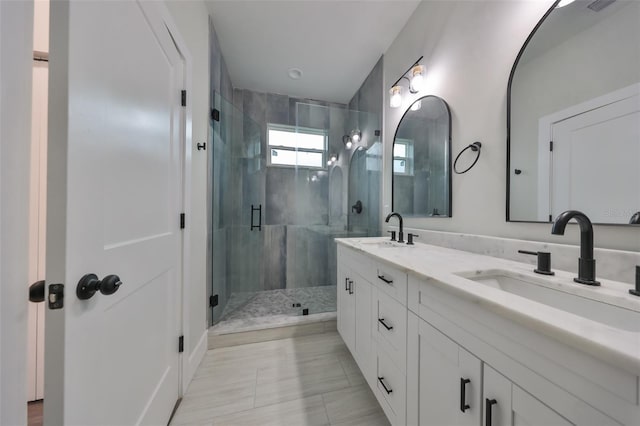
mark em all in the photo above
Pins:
pixel 274 308
pixel 309 380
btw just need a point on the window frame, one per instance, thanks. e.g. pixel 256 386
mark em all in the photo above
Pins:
pixel 296 129
pixel 408 158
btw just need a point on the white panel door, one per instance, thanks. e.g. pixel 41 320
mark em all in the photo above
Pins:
pixel 114 198
pixel 595 162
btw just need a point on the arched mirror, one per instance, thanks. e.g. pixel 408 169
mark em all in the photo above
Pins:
pixel 573 115
pixel 422 160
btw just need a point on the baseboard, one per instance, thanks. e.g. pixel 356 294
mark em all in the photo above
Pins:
pixel 193 360
pixel 276 333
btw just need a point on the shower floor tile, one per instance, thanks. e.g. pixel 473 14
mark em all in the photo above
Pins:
pixel 248 311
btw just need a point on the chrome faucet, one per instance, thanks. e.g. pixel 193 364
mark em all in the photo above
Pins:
pixel 586 262
pixel 400 234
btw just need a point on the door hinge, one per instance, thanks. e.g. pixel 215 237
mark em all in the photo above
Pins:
pixel 213 300
pixel 180 344
pixel 215 114
pixel 182 220
pixel 183 98
pixel 550 145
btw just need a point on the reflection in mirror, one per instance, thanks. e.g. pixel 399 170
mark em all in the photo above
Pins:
pixel 574 115
pixel 422 160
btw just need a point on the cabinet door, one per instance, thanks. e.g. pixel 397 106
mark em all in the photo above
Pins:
pixel 346 307
pixel 447 390
pixel 508 405
pixel 363 317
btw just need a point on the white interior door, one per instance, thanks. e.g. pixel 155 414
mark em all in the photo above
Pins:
pixel 37 224
pixel 114 198
pixel 595 162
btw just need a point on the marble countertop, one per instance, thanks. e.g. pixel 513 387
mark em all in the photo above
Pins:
pixel 448 268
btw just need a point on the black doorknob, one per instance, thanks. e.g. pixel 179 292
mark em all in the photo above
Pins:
pixel 36 292
pixel 89 284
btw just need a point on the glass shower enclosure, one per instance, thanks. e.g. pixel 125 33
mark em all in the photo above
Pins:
pixel 275 207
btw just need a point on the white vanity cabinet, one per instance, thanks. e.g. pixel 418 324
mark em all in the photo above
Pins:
pixel 433 356
pixel 354 312
pixel 506 404
pixel 445 386
pixel 372 320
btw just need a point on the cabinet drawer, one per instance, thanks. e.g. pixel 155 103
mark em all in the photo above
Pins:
pixel 390 280
pixel 390 328
pixel 391 387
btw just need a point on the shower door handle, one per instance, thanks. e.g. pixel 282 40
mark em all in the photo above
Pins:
pixel 259 210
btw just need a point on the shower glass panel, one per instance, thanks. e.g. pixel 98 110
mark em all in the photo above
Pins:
pixel 236 177
pixel 276 207
pixel 365 177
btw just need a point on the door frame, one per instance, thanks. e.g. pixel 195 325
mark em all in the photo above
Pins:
pixel 189 362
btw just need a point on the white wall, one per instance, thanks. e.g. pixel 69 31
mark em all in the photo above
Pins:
pixel 469 48
pixel 16 43
pixel 192 19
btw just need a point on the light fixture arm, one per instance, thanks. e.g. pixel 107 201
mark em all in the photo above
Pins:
pixel 404 74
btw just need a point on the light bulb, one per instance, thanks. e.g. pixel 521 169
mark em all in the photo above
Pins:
pixel 416 105
pixel 355 136
pixel 334 158
pixel 329 162
pixel 348 145
pixel 396 97
pixel 417 79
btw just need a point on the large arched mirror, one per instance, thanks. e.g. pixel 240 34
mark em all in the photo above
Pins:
pixel 573 115
pixel 422 160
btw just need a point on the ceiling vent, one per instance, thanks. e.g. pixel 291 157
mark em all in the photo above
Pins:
pixel 598 5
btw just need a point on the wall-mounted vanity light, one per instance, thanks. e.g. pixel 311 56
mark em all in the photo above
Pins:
pixel 356 135
pixel 332 159
pixel 417 79
pixel 416 83
pixel 346 140
pixel 395 100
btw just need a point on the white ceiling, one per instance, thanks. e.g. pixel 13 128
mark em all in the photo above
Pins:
pixel 335 43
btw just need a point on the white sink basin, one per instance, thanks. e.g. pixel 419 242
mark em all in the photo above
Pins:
pixel 540 291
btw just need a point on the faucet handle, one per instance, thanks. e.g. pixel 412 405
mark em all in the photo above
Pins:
pixel 393 235
pixel 410 238
pixel 544 261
